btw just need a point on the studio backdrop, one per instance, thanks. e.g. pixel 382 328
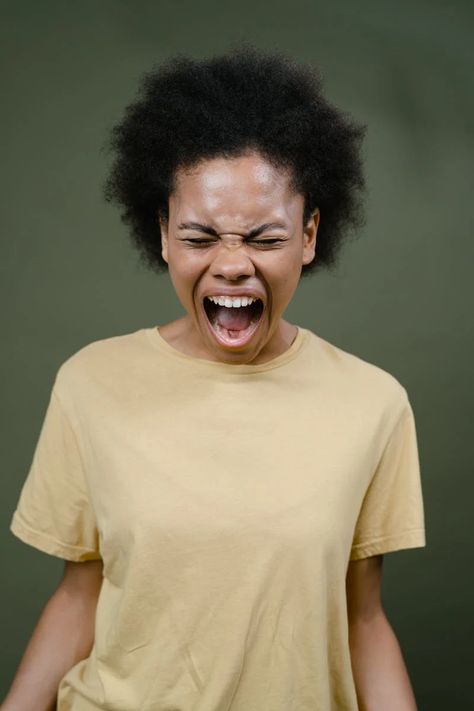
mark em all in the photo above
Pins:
pixel 401 296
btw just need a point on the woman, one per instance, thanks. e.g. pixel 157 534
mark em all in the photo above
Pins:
pixel 223 487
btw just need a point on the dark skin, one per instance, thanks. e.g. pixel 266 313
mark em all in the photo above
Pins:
pixel 208 246
pixel 224 200
pixel 232 198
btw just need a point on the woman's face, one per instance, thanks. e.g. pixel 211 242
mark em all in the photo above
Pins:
pixel 235 229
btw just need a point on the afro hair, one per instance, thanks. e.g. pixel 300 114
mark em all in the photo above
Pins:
pixel 188 110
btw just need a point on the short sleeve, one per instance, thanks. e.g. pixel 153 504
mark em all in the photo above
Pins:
pixel 392 513
pixel 54 511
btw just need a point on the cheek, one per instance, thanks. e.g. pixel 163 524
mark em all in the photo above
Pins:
pixel 286 273
pixel 283 289
pixel 184 273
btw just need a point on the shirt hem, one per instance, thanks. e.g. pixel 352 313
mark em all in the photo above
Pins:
pixel 50 545
pixel 414 538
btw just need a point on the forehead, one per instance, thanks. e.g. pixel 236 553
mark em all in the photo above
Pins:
pixel 239 190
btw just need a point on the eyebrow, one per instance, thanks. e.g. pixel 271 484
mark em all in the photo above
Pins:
pixel 211 231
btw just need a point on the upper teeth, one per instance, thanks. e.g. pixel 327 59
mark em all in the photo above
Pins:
pixel 232 302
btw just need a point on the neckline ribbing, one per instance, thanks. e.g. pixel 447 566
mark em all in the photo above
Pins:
pixel 156 339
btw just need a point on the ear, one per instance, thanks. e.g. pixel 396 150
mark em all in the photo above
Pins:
pixel 164 237
pixel 309 237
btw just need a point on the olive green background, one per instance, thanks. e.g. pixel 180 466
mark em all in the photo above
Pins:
pixel 400 298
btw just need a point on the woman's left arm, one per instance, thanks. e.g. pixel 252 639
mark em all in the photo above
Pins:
pixel 380 675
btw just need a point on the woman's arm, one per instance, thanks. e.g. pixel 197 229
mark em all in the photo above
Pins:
pixel 64 635
pixel 380 674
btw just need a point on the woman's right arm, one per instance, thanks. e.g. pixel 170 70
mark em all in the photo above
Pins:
pixel 64 634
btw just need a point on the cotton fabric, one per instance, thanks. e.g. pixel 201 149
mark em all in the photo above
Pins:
pixel 226 502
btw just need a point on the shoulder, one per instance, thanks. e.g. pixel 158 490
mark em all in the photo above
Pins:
pixel 355 380
pixel 100 363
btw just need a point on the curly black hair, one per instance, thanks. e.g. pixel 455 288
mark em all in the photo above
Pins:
pixel 188 110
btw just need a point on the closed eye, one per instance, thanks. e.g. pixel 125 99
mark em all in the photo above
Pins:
pixel 267 241
pixel 200 241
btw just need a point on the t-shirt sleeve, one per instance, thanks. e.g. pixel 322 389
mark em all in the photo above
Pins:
pixel 392 514
pixel 54 511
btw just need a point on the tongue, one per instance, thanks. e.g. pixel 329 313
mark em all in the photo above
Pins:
pixel 234 319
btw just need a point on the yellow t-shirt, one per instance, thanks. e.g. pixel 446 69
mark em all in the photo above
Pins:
pixel 226 502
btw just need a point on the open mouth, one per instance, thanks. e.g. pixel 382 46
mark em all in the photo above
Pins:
pixel 233 325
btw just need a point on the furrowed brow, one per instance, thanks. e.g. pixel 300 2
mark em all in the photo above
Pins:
pixel 198 227
pixel 207 229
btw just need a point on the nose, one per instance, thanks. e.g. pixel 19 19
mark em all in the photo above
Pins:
pixel 231 262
